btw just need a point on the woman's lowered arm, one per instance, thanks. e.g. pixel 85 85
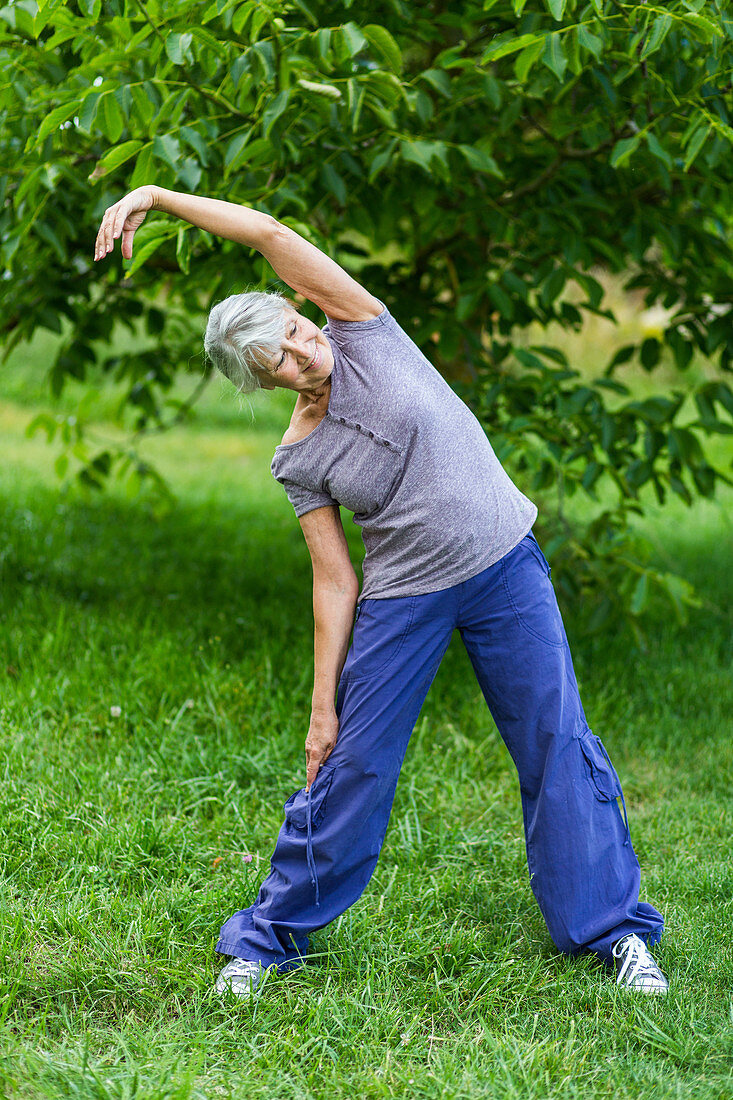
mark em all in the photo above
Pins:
pixel 335 591
pixel 298 263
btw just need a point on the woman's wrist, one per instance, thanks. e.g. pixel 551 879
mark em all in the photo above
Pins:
pixel 323 703
pixel 159 196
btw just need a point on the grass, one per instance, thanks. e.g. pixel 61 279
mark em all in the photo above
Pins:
pixel 126 838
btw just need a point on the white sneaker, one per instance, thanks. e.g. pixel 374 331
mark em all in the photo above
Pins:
pixel 636 967
pixel 240 977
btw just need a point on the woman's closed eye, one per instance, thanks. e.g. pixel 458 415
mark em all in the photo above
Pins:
pixel 281 360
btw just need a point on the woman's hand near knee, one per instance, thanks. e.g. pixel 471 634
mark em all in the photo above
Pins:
pixel 319 744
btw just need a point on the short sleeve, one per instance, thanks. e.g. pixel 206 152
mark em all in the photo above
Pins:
pixel 306 500
pixel 346 332
pixel 380 342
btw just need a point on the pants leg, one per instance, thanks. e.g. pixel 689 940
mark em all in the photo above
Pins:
pixel 328 846
pixel 583 869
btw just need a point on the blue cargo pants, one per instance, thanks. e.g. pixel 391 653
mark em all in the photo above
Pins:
pixel 584 873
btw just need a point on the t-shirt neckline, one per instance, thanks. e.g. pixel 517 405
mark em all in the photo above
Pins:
pixel 327 414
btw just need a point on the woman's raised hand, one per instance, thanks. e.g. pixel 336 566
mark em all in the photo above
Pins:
pixel 123 218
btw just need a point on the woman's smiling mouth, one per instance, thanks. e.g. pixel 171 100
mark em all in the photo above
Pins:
pixel 315 361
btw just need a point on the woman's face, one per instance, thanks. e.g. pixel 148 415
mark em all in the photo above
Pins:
pixel 305 360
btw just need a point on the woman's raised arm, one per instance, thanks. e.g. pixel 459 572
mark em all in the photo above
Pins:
pixel 298 263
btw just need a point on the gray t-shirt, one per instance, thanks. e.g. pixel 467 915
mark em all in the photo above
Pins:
pixel 400 450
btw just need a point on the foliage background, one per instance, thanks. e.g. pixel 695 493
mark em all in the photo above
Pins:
pixel 478 169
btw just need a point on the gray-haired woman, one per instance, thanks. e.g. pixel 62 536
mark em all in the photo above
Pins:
pixel 449 545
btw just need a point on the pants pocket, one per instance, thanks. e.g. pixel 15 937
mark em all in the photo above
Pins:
pixel 296 807
pixel 380 630
pixel 538 553
pixel 601 772
pixel 526 579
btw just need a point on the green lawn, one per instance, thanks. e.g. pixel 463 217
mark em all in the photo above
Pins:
pixel 126 839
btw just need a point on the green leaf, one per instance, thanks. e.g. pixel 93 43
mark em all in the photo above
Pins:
pixel 265 56
pixel 183 249
pixel 505 44
pixel 189 173
pixel 167 149
pixel 274 109
pixel 439 80
pixel 143 106
pixel 649 353
pixel 334 183
pixel 423 153
pixel 554 55
pixel 148 239
pixel 658 149
pixel 52 122
pixel 481 161
pixel 623 149
pixel 88 112
pixel 242 150
pixel 505 305
pixel 661 27
pixel 356 95
pixel 640 594
pixel 195 140
pixel 527 58
pixel 109 117
pixel 705 28
pixel 178 47
pixel 234 155
pixel 515 284
pixel 556 8
pixel 590 41
pixel 680 593
pixel 307 12
pixel 384 44
pixel 242 14
pixel 144 171
pixel 518 5
pixel 353 38
pixel 117 156
pixel 697 141
pixel 45 421
pixel 47 233
pixel 381 160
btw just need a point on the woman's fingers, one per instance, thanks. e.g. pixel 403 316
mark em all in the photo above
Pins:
pixel 121 220
pixel 105 237
pixel 127 235
pixel 311 771
pixel 314 757
pixel 112 227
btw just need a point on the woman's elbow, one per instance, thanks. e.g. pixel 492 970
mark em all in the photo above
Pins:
pixel 342 584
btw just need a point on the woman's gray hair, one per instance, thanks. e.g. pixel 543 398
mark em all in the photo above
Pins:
pixel 244 335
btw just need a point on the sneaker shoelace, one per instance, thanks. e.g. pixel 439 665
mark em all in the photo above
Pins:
pixel 242 968
pixel 637 962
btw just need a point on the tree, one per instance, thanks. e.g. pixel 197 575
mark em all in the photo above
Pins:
pixel 472 162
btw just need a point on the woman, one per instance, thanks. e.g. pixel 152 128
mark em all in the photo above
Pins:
pixel 449 545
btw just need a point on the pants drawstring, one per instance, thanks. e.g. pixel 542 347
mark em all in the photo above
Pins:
pixel 309 848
